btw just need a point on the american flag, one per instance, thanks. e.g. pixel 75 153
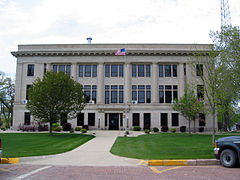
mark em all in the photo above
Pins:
pixel 121 52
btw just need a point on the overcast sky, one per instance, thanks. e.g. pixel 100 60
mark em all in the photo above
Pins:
pixel 106 21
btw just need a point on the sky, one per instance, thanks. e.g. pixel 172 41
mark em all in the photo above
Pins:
pixel 106 21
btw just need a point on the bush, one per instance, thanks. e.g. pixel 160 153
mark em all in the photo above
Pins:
pixel 183 129
pixel 3 129
pixel 71 130
pixel 83 130
pixel 58 129
pixel 78 128
pixel 43 127
pixel 27 127
pixel 164 129
pixel 201 129
pixel 85 127
pixel 155 129
pixel 136 128
pixel 54 125
pixel 173 130
pixel 147 131
pixel 67 126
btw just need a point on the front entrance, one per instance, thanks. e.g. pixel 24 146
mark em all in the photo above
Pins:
pixel 147 121
pixel 113 121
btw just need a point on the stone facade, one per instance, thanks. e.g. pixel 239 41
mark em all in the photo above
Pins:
pixel 133 83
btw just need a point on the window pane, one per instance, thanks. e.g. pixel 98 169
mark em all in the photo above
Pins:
pixel 113 96
pixel 68 70
pixel 164 119
pixel 140 70
pixel 55 68
pixel 168 96
pixel 80 119
pixel 134 95
pixel 30 71
pixel 120 96
pixel 160 70
pixel 107 97
pixel 148 70
pixel 199 69
pixel 114 70
pixel 120 70
pixel 91 119
pixel 94 71
pixel 141 97
pixel 87 70
pixel 167 70
pixel 148 94
pixel 175 120
pixel 200 91
pixel 94 95
pixel 161 94
pixel 27 89
pixel 174 70
pixel 62 68
pixel 107 70
pixel 80 70
pixel 136 119
pixel 134 70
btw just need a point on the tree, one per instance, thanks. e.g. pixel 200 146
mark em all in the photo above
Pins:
pixel 227 45
pixel 54 95
pixel 189 106
pixel 7 93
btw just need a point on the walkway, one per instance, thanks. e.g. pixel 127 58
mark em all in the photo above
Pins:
pixel 95 152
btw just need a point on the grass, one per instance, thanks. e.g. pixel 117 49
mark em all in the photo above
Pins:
pixel 36 144
pixel 165 146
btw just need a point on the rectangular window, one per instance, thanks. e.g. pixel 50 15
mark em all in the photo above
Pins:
pixel 107 94
pixel 140 70
pixel 55 69
pixel 27 118
pixel 200 91
pixel 114 70
pixel 134 70
pixel 174 70
pixel 164 119
pixel 87 92
pixel 121 94
pixel 148 94
pixel 94 71
pixel 27 89
pixel 202 120
pixel 168 94
pixel 136 119
pixel 80 70
pixel 168 71
pixel 141 94
pixel 63 118
pixel 62 68
pixel 87 71
pixel 114 95
pixel 107 70
pixel 175 119
pixel 121 119
pixel 175 92
pixel 160 70
pixel 94 93
pixel 68 70
pixel 91 119
pixel 148 70
pixel 199 69
pixel 121 70
pixel 106 119
pixel 80 119
pixel 161 94
pixel 30 70
pixel 134 92
pixel 45 68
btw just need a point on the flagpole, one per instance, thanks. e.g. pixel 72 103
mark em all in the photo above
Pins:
pixel 125 93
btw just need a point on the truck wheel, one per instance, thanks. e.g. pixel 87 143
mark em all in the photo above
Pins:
pixel 228 158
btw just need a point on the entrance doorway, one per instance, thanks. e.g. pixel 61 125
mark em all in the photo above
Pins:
pixel 113 121
pixel 147 121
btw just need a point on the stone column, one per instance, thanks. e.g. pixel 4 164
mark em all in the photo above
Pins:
pixel 74 71
pixel 100 84
pixel 48 67
pixel 181 78
pixel 127 83
pixel 154 87
pixel 18 84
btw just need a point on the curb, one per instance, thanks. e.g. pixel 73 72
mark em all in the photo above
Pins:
pixel 9 160
pixel 192 162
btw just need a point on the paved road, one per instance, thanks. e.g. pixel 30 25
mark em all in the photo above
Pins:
pixel 44 172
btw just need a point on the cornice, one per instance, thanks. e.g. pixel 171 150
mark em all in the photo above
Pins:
pixel 109 53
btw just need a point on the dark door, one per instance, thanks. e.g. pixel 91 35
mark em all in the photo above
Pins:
pixel 113 121
pixel 147 121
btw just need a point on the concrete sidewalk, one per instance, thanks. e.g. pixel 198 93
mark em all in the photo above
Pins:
pixel 95 152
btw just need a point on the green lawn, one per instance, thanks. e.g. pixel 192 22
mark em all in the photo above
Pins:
pixel 36 144
pixel 165 146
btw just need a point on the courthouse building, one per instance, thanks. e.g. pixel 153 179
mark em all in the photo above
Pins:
pixel 135 89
